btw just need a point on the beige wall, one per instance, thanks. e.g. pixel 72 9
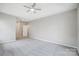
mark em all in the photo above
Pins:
pixel 7 28
pixel 78 27
pixel 59 29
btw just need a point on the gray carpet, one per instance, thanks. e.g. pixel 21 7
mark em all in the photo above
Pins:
pixel 32 47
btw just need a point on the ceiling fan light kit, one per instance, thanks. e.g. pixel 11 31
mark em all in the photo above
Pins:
pixel 32 9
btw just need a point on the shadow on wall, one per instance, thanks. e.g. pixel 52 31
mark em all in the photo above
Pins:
pixel 1 49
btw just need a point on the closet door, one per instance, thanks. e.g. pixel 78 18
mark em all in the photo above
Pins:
pixel 18 30
pixel 25 30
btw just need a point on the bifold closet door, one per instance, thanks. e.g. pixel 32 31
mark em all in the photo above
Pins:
pixel 18 30
pixel 25 31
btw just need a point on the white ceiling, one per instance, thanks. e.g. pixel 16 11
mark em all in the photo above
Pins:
pixel 17 9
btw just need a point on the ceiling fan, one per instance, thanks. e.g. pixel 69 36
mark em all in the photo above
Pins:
pixel 32 8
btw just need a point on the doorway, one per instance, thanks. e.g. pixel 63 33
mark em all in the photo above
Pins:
pixel 22 30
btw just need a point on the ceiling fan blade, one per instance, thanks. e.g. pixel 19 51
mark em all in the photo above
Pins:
pixel 28 10
pixel 34 4
pixel 37 9
pixel 27 7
